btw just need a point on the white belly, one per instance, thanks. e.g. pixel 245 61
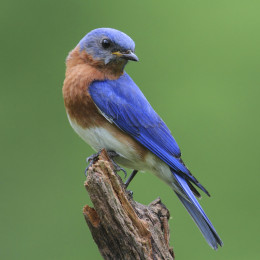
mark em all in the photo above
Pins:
pixel 99 138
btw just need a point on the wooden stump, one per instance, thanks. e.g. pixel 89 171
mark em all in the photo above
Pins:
pixel 121 227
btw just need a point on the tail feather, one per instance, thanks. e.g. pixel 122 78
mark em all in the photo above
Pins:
pixel 194 190
pixel 197 213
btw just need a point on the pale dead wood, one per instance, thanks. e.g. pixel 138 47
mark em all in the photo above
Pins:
pixel 121 227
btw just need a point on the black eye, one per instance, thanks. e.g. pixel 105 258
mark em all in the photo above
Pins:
pixel 106 43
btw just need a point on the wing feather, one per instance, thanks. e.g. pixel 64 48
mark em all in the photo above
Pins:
pixel 125 105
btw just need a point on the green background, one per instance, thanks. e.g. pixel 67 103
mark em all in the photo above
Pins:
pixel 199 68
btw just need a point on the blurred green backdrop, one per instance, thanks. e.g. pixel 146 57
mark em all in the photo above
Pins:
pixel 199 68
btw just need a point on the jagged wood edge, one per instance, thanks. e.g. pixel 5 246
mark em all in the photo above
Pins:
pixel 121 227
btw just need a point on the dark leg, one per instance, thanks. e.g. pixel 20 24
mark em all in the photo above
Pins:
pixel 112 155
pixel 91 159
pixel 131 178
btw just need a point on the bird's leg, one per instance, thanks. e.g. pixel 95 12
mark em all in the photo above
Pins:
pixel 130 178
pixel 112 155
pixel 91 159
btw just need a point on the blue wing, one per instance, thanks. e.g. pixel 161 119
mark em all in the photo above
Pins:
pixel 124 104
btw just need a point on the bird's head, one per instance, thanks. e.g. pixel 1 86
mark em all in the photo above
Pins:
pixel 109 46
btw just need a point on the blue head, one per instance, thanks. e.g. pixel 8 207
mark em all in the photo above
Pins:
pixel 109 45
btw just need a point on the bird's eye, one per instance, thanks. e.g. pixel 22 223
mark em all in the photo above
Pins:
pixel 106 43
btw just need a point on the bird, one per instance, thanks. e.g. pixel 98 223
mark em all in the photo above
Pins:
pixel 108 111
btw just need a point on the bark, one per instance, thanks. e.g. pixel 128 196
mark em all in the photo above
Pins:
pixel 121 227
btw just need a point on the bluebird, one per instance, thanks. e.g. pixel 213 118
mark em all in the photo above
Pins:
pixel 108 110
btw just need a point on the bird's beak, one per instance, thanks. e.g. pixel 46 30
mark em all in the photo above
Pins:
pixel 128 55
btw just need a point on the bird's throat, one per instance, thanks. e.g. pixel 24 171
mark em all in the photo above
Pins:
pixel 112 70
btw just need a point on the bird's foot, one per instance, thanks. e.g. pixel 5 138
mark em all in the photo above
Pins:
pixel 91 159
pixel 130 193
pixel 112 155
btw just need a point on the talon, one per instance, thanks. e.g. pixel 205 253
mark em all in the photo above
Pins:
pixel 118 168
pixel 130 193
pixel 124 171
pixel 86 170
pixel 113 154
pixel 91 159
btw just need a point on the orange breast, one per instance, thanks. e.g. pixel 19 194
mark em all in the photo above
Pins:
pixel 79 105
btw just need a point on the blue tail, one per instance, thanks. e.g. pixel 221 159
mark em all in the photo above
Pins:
pixel 197 213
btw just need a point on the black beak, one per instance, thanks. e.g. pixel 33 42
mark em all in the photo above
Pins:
pixel 128 55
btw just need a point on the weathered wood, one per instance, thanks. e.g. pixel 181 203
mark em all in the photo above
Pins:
pixel 121 227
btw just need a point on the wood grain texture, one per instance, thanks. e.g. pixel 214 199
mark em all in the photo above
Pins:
pixel 121 227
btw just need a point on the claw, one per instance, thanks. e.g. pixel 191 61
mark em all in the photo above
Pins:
pixel 91 159
pixel 130 193
pixel 118 168
pixel 113 154
pixel 87 168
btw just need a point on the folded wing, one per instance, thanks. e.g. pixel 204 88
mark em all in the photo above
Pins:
pixel 122 102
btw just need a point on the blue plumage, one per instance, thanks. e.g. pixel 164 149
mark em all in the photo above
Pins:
pixel 123 104
pixel 92 43
pixel 118 37
pixel 126 106
pixel 197 213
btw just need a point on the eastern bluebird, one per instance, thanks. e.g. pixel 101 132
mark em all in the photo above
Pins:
pixel 107 110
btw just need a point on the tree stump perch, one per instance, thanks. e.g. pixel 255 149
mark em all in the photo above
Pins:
pixel 121 227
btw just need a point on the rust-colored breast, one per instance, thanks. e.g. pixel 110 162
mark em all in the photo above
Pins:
pixel 80 73
pixel 78 102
